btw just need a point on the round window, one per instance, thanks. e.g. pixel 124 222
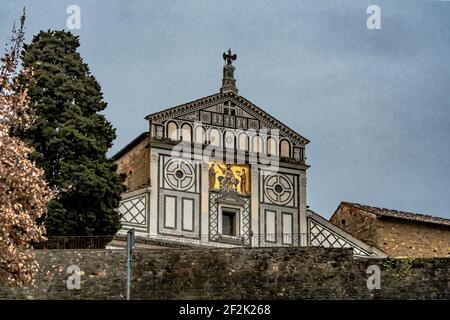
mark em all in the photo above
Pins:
pixel 278 188
pixel 179 174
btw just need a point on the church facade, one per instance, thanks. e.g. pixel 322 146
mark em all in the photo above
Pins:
pixel 220 171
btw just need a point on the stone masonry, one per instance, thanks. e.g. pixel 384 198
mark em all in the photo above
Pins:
pixel 135 163
pixel 263 273
pixel 396 236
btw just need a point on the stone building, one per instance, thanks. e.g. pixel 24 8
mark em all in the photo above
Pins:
pixel 397 233
pixel 134 162
pixel 220 171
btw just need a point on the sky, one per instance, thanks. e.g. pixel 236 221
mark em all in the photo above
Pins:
pixel 374 103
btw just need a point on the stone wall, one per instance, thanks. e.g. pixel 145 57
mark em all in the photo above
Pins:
pixel 265 273
pixel 360 224
pixel 397 238
pixel 136 165
pixel 409 239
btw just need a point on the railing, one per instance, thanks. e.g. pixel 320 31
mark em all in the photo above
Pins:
pixel 174 241
pixel 224 241
pixel 221 240
pixel 74 242
pixel 204 240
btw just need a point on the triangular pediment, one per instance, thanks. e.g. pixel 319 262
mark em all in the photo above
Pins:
pixel 227 110
pixel 231 198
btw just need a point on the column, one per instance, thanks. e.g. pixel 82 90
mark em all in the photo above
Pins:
pixel 154 157
pixel 303 228
pixel 204 205
pixel 255 204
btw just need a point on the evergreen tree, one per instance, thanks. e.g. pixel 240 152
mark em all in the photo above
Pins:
pixel 71 138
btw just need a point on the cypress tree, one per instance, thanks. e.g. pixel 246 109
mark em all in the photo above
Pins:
pixel 71 138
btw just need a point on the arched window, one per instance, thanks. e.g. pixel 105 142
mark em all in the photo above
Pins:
pixel 172 131
pixel 214 137
pixel 243 142
pixel 228 140
pixel 200 135
pixel 258 145
pixel 285 149
pixel 186 132
pixel 272 147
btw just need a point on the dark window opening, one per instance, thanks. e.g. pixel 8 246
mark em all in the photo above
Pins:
pixel 225 110
pixel 278 188
pixel 343 222
pixel 179 174
pixel 229 223
pixel 233 112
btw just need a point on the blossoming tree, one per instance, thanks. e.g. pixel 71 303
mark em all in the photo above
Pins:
pixel 23 191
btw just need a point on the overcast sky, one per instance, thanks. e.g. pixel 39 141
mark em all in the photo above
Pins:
pixel 374 103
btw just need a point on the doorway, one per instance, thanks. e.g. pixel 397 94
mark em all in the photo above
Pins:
pixel 229 222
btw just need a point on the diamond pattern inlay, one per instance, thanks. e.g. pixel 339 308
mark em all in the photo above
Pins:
pixel 214 218
pixel 133 210
pixel 321 236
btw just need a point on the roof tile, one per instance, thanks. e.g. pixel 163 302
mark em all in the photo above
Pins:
pixel 383 212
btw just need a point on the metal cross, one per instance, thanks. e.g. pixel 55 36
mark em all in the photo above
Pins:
pixel 228 57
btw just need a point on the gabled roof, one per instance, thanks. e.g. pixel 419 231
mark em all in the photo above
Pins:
pixel 181 107
pixel 217 98
pixel 383 212
pixel 130 145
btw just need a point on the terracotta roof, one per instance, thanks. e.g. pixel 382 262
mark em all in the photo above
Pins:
pixel 383 212
pixel 130 145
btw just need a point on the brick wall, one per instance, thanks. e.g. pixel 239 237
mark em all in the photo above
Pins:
pixel 396 237
pixel 258 273
pixel 409 239
pixel 136 165
pixel 360 224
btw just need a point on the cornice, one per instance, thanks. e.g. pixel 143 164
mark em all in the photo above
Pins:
pixel 206 102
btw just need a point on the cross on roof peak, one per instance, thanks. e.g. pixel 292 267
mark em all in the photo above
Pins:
pixel 228 57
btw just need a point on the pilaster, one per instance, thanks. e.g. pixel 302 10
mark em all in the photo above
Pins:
pixel 154 159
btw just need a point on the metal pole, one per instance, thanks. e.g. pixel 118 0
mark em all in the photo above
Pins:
pixel 130 246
